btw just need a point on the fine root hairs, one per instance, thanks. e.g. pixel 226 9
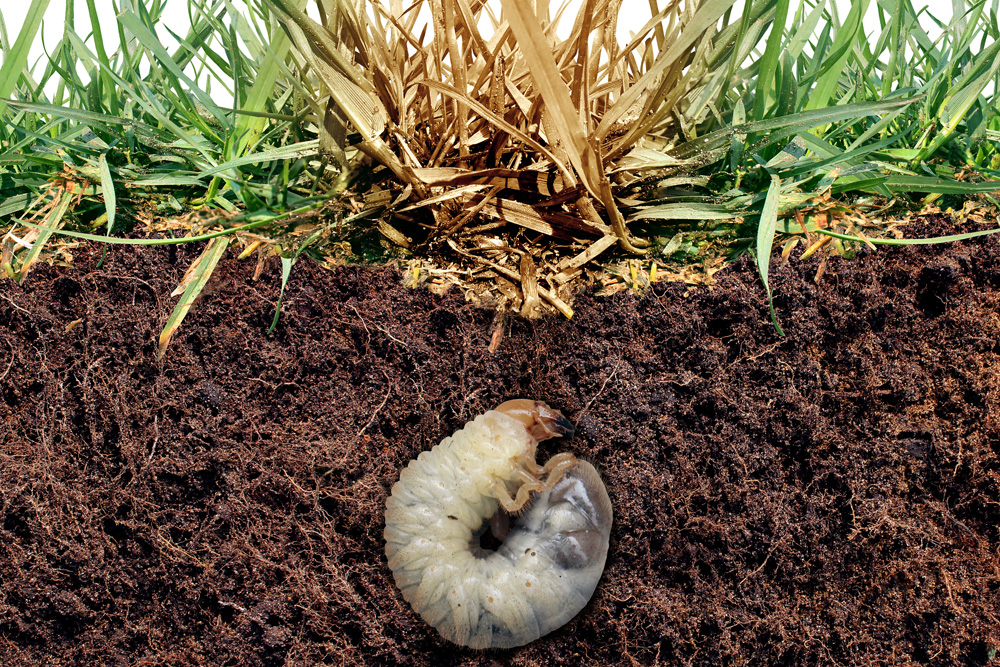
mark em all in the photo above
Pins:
pixel 548 565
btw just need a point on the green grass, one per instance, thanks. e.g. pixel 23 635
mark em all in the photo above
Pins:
pixel 703 122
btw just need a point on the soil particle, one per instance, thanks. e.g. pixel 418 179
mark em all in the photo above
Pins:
pixel 831 497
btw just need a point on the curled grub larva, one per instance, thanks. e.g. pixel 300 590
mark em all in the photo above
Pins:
pixel 549 563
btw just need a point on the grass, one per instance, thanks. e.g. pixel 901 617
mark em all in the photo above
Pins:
pixel 488 143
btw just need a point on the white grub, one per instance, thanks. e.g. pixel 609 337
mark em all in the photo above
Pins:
pixel 549 564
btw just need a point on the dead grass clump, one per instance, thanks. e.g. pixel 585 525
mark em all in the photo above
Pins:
pixel 502 144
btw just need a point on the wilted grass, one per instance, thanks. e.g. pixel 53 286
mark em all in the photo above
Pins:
pixel 487 143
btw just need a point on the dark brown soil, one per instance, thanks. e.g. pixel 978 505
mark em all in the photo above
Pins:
pixel 832 497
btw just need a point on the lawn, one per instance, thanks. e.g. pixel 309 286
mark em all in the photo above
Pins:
pixel 250 276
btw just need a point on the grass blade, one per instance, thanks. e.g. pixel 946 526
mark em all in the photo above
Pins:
pixel 16 60
pixel 108 187
pixel 686 211
pixel 287 152
pixel 981 73
pixel 249 128
pixel 151 42
pixel 193 283
pixel 14 204
pixel 545 73
pixel 939 185
pixel 704 18
pixel 840 51
pixel 106 82
pixel 53 220
pixel 781 127
pixel 769 62
pixel 951 238
pixel 765 239
pixel 286 270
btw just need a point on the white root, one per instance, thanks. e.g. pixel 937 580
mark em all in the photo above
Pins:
pixel 549 564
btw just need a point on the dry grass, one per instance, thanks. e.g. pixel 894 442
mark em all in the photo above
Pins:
pixel 506 146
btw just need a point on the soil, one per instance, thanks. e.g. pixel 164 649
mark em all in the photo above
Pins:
pixel 830 497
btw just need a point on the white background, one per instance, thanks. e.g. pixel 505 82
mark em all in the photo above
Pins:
pixel 176 17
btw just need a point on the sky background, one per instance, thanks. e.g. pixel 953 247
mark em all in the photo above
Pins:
pixel 176 17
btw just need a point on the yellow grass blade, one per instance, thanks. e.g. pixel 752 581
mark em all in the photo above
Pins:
pixel 563 118
pixel 503 125
pixel 53 221
pixel 193 282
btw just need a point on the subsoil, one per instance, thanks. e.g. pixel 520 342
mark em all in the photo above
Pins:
pixel 827 498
